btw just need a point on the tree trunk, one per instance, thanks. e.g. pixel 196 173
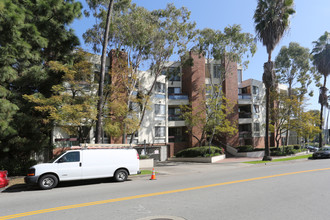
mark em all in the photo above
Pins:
pixel 287 134
pixel 268 79
pixel 267 151
pixel 321 114
pixel 321 122
pixel 102 73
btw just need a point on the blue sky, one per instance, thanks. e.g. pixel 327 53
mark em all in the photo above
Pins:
pixel 311 20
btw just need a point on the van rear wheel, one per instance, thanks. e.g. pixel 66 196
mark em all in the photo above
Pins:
pixel 48 181
pixel 120 175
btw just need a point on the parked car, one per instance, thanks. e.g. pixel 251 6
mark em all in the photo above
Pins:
pixel 4 181
pixel 312 148
pixel 323 152
pixel 85 164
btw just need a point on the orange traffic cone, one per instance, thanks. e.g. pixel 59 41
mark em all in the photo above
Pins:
pixel 153 176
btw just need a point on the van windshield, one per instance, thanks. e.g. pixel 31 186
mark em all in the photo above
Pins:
pixel 55 158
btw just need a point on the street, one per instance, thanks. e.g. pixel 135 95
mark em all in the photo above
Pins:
pixel 284 190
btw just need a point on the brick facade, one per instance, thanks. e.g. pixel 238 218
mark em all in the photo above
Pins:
pixel 230 89
pixel 193 84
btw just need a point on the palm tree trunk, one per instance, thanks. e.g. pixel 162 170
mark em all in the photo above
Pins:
pixel 267 151
pixel 102 73
pixel 321 122
pixel 321 114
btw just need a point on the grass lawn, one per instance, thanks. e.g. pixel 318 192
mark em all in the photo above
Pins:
pixel 145 172
pixel 281 159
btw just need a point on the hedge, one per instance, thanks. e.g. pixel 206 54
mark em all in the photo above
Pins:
pixel 248 148
pixel 200 152
pixel 285 150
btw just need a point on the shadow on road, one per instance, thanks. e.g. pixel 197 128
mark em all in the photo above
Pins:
pixel 25 187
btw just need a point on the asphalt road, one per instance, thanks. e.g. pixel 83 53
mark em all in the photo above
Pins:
pixel 284 190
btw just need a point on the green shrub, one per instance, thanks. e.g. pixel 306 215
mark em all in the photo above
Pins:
pixel 200 152
pixel 248 148
pixel 285 150
pixel 296 147
pixel 16 167
pixel 245 148
pixel 144 157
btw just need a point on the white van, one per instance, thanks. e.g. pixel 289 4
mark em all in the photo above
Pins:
pixel 85 164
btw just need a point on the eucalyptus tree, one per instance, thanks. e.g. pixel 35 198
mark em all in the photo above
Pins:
pixel 292 66
pixel 321 60
pixel 227 46
pixel 100 7
pixel 171 35
pixel 271 20
pixel 148 37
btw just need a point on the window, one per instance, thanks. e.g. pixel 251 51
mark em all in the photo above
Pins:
pixel 159 109
pixel 173 74
pixel 159 131
pixel 239 75
pixel 256 108
pixel 70 157
pixel 256 127
pixel 174 90
pixel 174 114
pixel 160 87
pixel 216 70
pixel 243 90
pixel 174 111
pixel 255 90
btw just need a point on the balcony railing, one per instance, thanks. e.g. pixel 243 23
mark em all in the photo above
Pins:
pixel 160 96
pixel 245 134
pixel 176 139
pixel 175 118
pixel 178 97
pixel 245 115
pixel 244 96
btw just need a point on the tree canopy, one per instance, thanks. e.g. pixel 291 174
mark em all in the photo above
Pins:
pixel 33 33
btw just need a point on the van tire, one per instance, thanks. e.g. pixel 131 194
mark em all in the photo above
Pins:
pixel 48 181
pixel 120 175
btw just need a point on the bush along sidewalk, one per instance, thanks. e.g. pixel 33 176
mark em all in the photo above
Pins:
pixel 203 151
pixel 286 150
pixel 248 148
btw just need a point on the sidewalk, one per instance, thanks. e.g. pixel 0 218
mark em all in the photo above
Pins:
pixel 239 159
pixel 181 168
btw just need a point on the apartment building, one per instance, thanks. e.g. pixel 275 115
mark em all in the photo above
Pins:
pixel 252 111
pixel 163 124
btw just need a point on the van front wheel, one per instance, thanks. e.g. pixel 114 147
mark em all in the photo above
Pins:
pixel 120 175
pixel 48 181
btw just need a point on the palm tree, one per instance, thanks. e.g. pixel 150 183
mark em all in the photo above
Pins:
pixel 321 60
pixel 271 19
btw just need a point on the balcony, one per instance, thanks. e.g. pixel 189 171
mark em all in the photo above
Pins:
pixel 245 115
pixel 245 134
pixel 178 99
pixel 175 118
pixel 244 99
pixel 176 139
pixel 244 96
pixel 160 96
